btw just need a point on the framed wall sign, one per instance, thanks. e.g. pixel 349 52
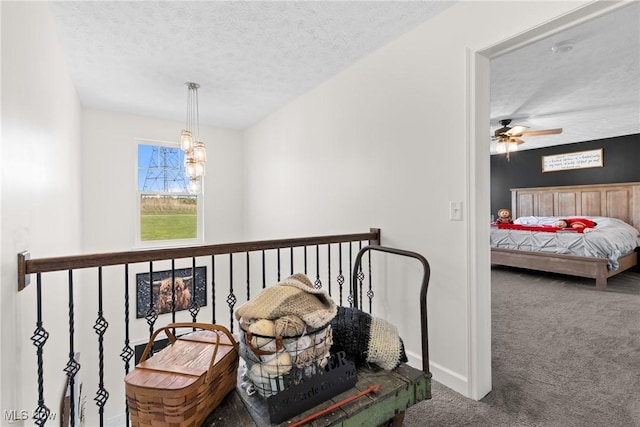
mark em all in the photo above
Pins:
pixel 577 160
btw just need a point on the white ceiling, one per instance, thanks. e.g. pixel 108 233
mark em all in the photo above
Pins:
pixel 252 57
pixel 591 92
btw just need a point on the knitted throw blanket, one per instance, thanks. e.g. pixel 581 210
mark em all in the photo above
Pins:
pixel 367 339
pixel 294 296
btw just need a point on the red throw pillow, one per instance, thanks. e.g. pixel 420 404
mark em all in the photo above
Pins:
pixel 580 223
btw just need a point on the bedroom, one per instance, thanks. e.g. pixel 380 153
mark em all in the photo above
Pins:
pixel 74 155
pixel 574 106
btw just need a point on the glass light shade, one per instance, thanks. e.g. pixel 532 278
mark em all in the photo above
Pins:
pixel 194 186
pixel 199 168
pixel 190 166
pixel 506 147
pixel 186 141
pixel 199 151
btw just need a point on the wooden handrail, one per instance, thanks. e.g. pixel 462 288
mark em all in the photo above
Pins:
pixel 28 266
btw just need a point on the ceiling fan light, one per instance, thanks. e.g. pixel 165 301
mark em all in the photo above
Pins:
pixel 506 147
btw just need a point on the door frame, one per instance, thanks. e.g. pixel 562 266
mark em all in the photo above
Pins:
pixel 478 183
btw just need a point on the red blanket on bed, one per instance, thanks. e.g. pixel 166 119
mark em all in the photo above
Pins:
pixel 548 228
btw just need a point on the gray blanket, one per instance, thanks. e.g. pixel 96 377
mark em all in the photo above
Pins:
pixel 610 239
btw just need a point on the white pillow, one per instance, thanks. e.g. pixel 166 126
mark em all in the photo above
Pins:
pixel 536 220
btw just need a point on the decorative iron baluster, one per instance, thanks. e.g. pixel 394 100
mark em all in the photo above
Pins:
pixel 173 292
pixel 278 252
pixel 194 308
pixel 350 297
pixel 73 366
pixel 152 313
pixel 340 276
pixel 127 352
pixel 291 260
pixel 39 338
pixel 305 260
pixel 264 272
pixel 318 283
pixel 329 267
pixel 370 291
pixel 360 278
pixel 100 327
pixel 213 289
pixel 248 279
pixel 231 299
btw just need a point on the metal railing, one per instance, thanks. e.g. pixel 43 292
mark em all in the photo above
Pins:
pixel 162 279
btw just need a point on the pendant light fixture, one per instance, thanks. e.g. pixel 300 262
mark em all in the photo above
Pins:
pixel 195 154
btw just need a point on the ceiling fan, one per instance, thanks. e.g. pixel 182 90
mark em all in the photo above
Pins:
pixel 509 138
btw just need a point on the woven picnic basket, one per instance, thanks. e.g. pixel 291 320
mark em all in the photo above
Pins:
pixel 180 385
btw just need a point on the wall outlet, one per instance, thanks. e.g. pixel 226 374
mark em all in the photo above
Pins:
pixel 455 211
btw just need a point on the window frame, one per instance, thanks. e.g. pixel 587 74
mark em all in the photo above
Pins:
pixel 147 244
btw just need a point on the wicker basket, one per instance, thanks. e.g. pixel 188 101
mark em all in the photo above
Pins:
pixel 180 385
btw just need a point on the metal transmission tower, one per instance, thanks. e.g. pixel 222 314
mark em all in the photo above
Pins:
pixel 165 171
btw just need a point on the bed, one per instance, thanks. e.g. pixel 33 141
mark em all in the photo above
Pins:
pixel 608 203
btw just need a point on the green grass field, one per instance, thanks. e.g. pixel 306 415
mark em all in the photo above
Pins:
pixel 167 218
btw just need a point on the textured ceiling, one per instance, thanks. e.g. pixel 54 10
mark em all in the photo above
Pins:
pixel 252 57
pixel 592 91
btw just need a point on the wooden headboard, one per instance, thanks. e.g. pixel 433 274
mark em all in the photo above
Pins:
pixel 620 201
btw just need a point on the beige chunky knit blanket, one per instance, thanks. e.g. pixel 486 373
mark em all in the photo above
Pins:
pixel 294 296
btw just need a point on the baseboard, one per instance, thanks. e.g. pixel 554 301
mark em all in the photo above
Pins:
pixel 444 376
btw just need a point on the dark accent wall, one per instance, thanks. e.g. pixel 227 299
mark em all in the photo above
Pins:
pixel 621 160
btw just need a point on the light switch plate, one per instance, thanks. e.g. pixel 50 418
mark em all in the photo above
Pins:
pixel 455 211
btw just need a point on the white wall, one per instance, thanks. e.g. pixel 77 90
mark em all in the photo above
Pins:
pixel 68 186
pixel 40 193
pixel 385 144
pixel 110 172
pixel 109 155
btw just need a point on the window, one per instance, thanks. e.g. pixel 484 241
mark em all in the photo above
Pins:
pixel 167 211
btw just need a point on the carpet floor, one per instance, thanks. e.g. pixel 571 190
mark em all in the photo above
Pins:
pixel 563 355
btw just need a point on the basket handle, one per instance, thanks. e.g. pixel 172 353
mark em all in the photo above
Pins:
pixel 257 351
pixel 152 340
pixel 207 326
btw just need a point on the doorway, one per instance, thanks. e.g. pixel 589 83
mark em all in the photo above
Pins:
pixel 478 115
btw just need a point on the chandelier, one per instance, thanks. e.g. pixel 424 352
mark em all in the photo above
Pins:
pixel 195 154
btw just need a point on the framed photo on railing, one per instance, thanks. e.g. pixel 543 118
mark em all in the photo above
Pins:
pixel 158 293
pixel 577 160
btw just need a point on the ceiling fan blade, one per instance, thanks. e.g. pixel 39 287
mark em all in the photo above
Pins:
pixel 516 130
pixel 542 132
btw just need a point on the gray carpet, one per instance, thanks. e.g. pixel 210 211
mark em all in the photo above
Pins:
pixel 564 355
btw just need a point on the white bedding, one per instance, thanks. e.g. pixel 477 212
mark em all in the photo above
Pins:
pixel 610 239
